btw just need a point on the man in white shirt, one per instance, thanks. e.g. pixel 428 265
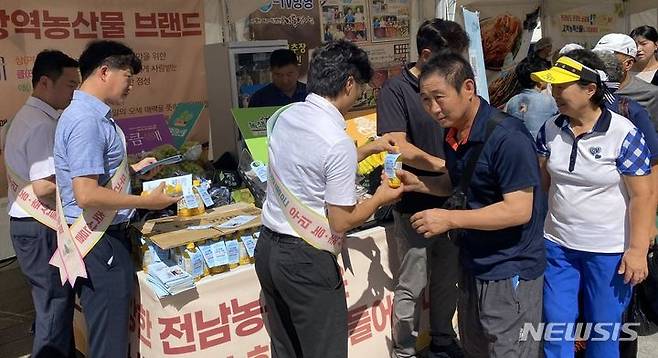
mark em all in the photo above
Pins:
pixel 311 203
pixel 28 153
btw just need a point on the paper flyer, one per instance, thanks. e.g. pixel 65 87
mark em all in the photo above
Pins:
pixel 184 180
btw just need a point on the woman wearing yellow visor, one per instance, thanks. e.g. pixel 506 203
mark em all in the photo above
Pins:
pixel 595 167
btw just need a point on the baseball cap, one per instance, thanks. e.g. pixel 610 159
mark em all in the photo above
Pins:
pixel 570 47
pixel 619 43
pixel 566 70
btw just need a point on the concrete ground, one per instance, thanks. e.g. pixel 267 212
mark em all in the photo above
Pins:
pixel 17 313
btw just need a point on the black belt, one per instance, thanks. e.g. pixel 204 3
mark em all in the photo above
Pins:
pixel 116 227
pixel 119 227
pixel 278 237
pixel 11 218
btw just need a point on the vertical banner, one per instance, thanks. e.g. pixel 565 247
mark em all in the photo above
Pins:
pixel 475 53
pixel 167 36
pixel 295 21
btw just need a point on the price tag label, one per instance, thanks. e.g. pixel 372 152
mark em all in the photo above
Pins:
pixel 197 263
pixel 260 170
pixel 208 254
pixel 190 201
pixel 203 192
pixel 249 244
pixel 220 252
pixel 233 250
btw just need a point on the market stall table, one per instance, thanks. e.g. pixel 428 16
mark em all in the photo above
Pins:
pixel 223 317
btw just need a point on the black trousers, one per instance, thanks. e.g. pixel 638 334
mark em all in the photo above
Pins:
pixel 105 295
pixel 444 273
pixel 304 295
pixel 34 244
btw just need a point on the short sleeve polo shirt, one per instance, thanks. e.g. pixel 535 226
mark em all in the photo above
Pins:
pixel 317 163
pixel 29 146
pixel 587 199
pixel 508 163
pixel 640 119
pixel 400 109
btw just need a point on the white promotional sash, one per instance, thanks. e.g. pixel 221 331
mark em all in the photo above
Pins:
pixel 24 193
pixel 28 201
pixel 75 242
pixel 307 223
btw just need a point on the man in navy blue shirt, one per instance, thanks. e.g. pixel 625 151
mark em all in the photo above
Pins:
pixel 501 246
pixel 285 87
pixel 401 117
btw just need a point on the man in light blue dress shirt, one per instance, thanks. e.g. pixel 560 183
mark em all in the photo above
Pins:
pixel 89 148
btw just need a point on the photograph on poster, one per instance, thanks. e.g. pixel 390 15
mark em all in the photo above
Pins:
pixel 344 19
pixel 389 20
pixel 387 60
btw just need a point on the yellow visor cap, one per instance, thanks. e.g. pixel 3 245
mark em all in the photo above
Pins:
pixel 565 70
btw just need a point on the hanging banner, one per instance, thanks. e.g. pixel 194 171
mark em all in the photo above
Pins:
pixel 475 53
pixel 295 21
pixel 584 25
pixel 167 36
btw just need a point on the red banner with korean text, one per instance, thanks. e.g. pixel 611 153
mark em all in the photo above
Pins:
pixel 225 316
pixel 167 35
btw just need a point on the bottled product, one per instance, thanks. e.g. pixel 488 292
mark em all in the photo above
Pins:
pixel 249 243
pixel 182 207
pixel 147 256
pixel 176 256
pixel 193 262
pixel 233 250
pixel 244 255
pixel 201 208
pixel 191 205
pixel 218 247
pixel 393 162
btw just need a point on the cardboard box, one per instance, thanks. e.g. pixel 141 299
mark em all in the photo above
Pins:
pixel 173 231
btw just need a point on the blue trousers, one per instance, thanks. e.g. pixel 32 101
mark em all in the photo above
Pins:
pixel 604 294
pixel 34 244
pixel 105 295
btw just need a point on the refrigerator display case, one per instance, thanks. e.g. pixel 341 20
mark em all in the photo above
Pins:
pixel 235 71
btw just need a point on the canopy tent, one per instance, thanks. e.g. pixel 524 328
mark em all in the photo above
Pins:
pixel 567 21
